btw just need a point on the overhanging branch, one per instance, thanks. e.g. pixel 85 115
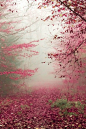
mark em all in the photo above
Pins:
pixel 72 10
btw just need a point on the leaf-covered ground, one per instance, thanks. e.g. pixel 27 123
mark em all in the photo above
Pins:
pixel 44 108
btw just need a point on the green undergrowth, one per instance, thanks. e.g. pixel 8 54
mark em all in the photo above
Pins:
pixel 68 107
pixel 23 107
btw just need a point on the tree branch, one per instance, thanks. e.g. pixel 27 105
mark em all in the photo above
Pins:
pixel 72 10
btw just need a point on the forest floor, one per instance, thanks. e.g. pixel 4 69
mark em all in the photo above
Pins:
pixel 44 108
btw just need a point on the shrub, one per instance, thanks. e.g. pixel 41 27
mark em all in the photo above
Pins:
pixel 63 104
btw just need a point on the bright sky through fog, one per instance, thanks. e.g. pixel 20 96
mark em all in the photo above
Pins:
pixel 22 4
pixel 31 16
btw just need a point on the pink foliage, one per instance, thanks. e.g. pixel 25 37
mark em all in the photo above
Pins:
pixel 21 72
